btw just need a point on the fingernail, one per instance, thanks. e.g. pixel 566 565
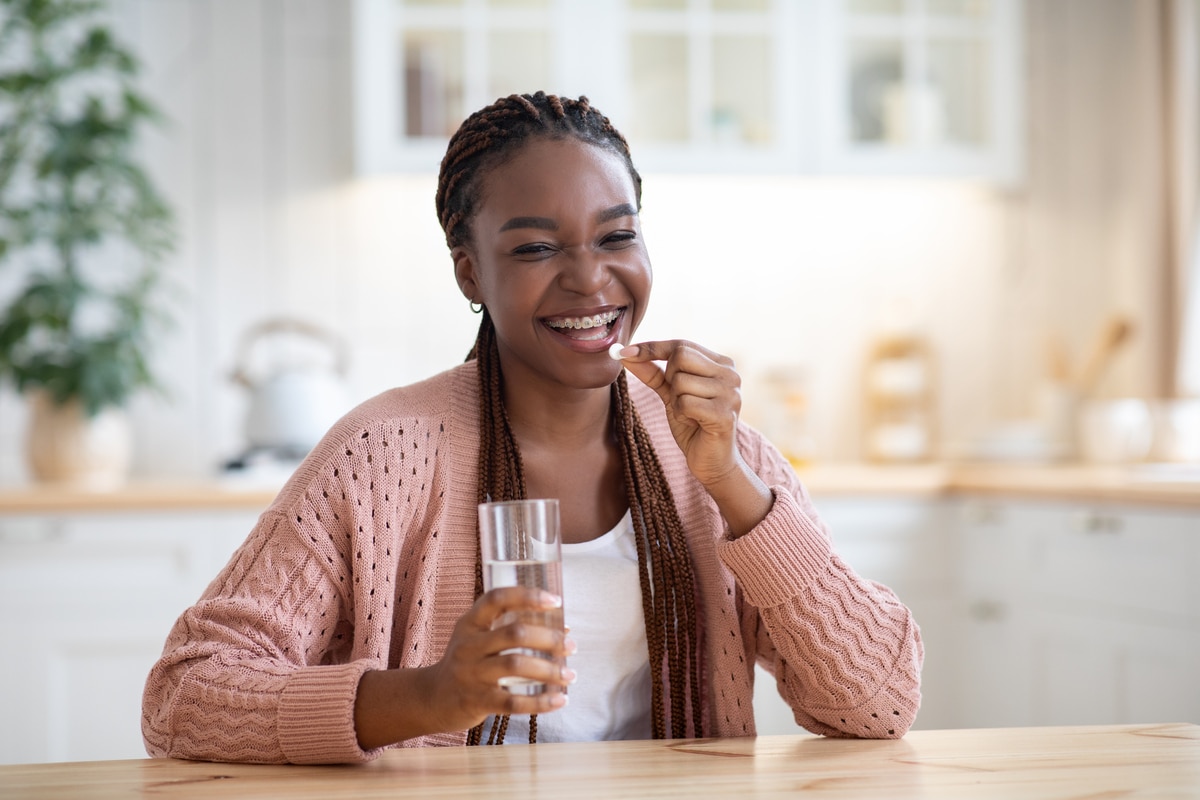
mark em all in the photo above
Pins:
pixel 570 646
pixel 560 700
pixel 569 675
pixel 630 352
pixel 551 600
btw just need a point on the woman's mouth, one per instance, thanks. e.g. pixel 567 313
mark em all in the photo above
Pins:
pixel 586 329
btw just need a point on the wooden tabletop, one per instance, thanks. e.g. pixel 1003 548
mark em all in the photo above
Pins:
pixel 1160 760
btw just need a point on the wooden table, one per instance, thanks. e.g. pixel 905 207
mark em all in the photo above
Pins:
pixel 1160 760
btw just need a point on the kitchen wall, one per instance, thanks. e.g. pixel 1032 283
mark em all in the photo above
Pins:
pixel 772 270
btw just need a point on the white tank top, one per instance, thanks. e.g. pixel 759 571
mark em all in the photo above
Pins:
pixel 602 605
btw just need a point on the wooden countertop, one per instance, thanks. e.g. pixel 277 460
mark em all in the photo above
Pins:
pixel 1030 763
pixel 1090 484
pixel 136 496
pixel 1163 485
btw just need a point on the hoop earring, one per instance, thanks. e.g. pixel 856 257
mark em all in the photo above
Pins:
pixel 472 305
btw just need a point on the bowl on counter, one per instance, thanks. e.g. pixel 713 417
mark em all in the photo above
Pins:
pixel 1116 431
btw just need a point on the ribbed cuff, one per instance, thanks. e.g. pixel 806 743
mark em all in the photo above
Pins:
pixel 779 557
pixel 316 715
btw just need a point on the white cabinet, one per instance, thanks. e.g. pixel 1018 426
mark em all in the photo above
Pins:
pixel 1077 615
pixel 907 545
pixel 814 86
pixel 923 86
pixel 85 608
pixel 1032 613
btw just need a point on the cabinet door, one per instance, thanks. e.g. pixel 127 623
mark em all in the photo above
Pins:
pixel 994 674
pixel 88 603
pixel 709 85
pixel 422 65
pixel 1097 669
pixel 1077 615
pixel 1118 636
pixel 833 86
pixel 922 86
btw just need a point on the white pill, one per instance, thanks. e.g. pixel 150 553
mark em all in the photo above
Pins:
pixel 614 352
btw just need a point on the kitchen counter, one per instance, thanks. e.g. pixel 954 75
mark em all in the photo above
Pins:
pixel 1092 484
pixel 1136 485
pixel 1148 760
pixel 136 496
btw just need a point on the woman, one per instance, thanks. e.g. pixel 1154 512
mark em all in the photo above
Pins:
pixel 353 617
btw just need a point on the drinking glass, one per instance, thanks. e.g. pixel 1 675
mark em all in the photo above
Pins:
pixel 522 546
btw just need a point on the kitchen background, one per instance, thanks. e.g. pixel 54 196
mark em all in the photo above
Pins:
pixel 850 232
pixel 800 268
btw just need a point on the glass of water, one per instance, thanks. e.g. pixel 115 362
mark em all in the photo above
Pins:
pixel 522 546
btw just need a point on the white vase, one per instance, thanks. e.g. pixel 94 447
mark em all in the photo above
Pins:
pixel 64 445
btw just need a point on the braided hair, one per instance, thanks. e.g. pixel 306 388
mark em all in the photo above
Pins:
pixel 485 140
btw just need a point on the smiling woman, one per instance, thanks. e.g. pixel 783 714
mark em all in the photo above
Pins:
pixel 354 616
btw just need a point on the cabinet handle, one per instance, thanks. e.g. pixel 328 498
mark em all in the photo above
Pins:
pixel 985 513
pixel 987 610
pixel 1097 522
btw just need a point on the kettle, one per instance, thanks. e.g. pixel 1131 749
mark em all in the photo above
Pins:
pixel 294 401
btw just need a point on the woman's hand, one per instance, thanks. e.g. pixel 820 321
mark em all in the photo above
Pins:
pixel 463 689
pixel 701 391
pixel 702 394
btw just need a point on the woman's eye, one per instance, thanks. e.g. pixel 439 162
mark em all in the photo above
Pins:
pixel 534 249
pixel 619 238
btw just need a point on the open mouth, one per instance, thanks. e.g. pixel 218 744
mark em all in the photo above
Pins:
pixel 586 329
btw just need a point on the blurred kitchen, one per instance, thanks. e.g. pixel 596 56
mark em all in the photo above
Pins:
pixel 945 241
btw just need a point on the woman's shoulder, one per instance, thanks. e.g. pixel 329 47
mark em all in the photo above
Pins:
pixel 447 393
pixel 422 417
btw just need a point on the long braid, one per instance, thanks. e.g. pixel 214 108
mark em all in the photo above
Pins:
pixel 664 566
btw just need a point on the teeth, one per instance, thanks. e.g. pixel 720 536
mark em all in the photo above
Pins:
pixel 583 323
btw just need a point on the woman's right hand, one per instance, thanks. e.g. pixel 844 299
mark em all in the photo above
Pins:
pixel 463 688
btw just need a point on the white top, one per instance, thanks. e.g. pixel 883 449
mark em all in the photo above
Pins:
pixel 602 605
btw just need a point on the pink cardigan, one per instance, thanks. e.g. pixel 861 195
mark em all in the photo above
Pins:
pixel 367 558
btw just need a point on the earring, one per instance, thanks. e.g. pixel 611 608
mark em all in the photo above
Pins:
pixel 474 310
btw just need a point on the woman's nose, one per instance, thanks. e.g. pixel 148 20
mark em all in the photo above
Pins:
pixel 587 271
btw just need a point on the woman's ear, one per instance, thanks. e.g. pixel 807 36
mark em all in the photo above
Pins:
pixel 464 273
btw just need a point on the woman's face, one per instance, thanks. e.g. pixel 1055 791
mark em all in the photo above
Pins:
pixel 556 255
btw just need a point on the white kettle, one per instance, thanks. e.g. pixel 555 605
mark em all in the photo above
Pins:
pixel 294 401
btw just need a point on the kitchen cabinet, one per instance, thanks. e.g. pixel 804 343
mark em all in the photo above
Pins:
pixel 85 608
pixel 908 545
pixel 1076 613
pixel 922 86
pixel 915 87
pixel 1032 612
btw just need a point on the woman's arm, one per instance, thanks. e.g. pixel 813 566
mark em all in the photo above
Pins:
pixel 845 651
pixel 259 669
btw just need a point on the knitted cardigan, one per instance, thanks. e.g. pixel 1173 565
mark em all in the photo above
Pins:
pixel 366 559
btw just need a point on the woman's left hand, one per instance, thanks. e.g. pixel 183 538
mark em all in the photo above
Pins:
pixel 702 394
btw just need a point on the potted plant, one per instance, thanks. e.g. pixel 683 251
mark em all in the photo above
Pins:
pixel 83 235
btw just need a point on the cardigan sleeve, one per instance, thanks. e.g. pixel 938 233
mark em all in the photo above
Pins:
pixel 245 675
pixel 845 651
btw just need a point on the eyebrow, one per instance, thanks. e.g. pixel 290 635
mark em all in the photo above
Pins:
pixel 547 224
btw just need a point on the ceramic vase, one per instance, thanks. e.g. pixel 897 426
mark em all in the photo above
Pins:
pixel 66 446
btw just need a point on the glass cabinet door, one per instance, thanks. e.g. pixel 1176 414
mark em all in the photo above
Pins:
pixel 704 77
pixel 423 65
pixel 923 79
pixel 818 86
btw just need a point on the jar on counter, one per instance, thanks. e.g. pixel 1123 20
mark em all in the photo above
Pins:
pixel 785 414
pixel 899 411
